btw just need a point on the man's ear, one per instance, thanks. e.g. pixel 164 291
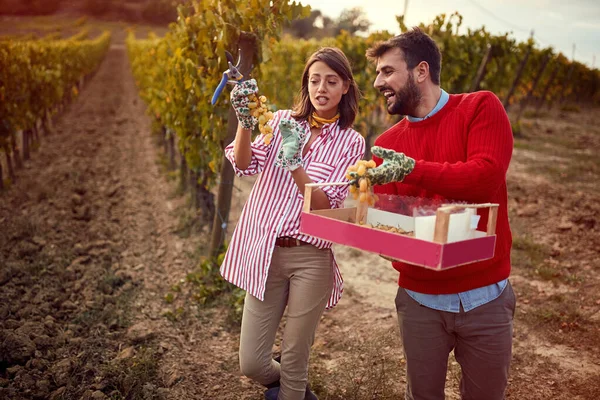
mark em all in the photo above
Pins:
pixel 421 72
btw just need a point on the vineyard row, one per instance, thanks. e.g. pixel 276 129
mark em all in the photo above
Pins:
pixel 37 79
pixel 176 76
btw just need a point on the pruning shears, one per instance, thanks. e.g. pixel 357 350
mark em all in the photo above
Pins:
pixel 232 75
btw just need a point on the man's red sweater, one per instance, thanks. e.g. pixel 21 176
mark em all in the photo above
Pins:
pixel 462 153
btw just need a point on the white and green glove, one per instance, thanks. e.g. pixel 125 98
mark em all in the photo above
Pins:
pixel 239 101
pixel 292 142
pixel 394 168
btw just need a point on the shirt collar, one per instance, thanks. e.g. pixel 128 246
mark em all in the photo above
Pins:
pixel 328 130
pixel 440 104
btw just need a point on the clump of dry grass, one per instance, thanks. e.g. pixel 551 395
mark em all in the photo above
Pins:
pixel 366 367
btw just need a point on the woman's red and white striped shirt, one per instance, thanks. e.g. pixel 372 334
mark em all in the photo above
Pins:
pixel 274 206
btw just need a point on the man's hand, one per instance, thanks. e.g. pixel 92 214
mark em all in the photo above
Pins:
pixel 293 136
pixel 394 168
pixel 239 101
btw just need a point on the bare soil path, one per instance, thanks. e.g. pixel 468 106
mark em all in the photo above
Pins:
pixel 88 253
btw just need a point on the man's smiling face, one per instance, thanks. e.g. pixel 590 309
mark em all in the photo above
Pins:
pixel 397 83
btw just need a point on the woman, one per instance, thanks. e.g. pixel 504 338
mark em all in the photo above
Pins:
pixel 268 256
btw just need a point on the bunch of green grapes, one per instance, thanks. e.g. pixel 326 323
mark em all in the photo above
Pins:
pixel 364 191
pixel 258 107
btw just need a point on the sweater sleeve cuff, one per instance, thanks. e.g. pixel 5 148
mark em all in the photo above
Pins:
pixel 416 176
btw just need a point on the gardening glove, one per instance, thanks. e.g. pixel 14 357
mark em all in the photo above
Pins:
pixel 239 101
pixel 292 142
pixel 394 168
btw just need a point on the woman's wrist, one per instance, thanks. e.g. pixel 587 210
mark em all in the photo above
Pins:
pixel 244 131
pixel 297 171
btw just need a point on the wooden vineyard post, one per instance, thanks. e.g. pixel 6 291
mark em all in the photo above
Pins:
pixel 15 152
pixel 565 82
pixel 547 88
pixel 506 102
pixel 9 165
pixel 248 47
pixel 533 86
pixel 482 67
pixel 171 151
pixel 47 123
pixel 34 139
pixel 194 191
pixel 25 139
pixel 183 174
pixel 163 140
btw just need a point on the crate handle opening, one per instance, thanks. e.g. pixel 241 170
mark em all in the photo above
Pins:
pixel 442 219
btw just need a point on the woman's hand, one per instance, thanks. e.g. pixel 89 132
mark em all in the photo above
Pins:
pixel 293 138
pixel 239 101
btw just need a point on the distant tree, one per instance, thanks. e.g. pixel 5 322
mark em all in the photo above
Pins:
pixel 352 20
pixel 328 23
pixel 317 25
pixel 305 27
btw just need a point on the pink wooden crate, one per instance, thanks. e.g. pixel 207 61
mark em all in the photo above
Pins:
pixel 340 226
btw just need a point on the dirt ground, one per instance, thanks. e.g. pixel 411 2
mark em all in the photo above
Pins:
pixel 94 301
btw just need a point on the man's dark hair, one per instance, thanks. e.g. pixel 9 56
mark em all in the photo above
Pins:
pixel 416 46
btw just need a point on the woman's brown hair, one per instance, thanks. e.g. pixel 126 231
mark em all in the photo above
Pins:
pixel 337 61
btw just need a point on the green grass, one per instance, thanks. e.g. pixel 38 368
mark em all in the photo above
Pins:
pixel 115 316
pixel 130 378
pixel 517 129
pixel 534 114
pixel 562 159
pixel 175 315
pixel 210 289
pixel 570 108
pixel 554 313
pixel 527 253
pixel 189 222
pixel 531 258
pixel 169 298
pixel 523 145
pixel 362 369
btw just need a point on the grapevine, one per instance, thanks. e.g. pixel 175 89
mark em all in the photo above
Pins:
pixel 462 54
pixel 177 74
pixel 36 76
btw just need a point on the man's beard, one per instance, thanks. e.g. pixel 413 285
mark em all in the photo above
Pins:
pixel 406 100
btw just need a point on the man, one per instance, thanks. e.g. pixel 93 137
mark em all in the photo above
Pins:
pixel 450 147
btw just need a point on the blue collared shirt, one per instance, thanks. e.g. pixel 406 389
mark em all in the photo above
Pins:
pixel 471 298
pixel 440 104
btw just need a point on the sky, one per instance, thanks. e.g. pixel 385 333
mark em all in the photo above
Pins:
pixel 556 23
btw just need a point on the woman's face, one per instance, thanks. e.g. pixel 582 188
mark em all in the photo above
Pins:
pixel 325 89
